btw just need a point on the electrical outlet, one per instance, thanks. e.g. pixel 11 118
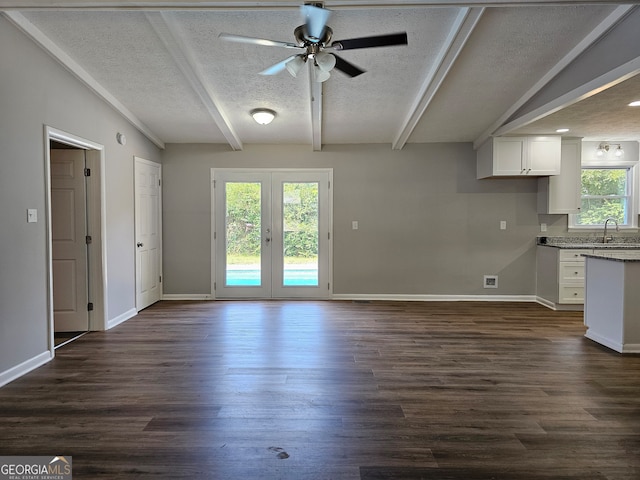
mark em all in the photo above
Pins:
pixel 543 227
pixel 490 281
pixel 354 225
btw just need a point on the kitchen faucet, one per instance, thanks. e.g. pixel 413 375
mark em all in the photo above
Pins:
pixel 606 239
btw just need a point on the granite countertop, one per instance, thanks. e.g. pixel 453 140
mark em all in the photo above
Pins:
pixel 629 256
pixel 591 242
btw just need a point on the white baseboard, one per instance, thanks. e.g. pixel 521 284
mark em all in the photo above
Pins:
pixel 186 296
pixel 607 342
pixel 434 298
pixel 546 303
pixel 121 318
pixel 393 297
pixel 563 307
pixel 613 344
pixel 25 367
pixel 631 348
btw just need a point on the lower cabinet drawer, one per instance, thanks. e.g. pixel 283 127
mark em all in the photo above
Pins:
pixel 572 255
pixel 571 294
pixel 571 272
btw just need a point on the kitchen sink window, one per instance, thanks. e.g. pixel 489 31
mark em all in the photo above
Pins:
pixel 607 192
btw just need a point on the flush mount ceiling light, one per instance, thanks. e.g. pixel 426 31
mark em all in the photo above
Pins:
pixel 263 116
pixel 562 130
pixel 604 147
pixel 635 104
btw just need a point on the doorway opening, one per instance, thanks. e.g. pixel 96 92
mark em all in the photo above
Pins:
pixel 75 236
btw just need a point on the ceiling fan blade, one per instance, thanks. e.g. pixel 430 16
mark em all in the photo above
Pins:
pixel 278 67
pixel 316 19
pixel 368 42
pixel 347 67
pixel 229 37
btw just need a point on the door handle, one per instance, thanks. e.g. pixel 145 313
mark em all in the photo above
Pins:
pixel 140 244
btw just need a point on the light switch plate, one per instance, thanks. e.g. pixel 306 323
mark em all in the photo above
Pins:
pixel 503 224
pixel 354 225
pixel 32 215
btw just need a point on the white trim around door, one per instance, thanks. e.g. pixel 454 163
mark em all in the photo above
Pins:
pixel 96 227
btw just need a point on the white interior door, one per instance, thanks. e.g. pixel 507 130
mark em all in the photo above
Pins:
pixel 148 227
pixel 69 240
pixel 272 233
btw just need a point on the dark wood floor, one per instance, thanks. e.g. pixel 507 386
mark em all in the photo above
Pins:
pixel 333 390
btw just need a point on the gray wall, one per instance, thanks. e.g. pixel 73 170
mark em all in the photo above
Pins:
pixel 36 91
pixel 426 225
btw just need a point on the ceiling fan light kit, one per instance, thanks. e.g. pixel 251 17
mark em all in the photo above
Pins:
pixel 313 40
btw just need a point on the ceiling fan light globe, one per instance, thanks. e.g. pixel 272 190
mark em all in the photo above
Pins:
pixel 320 75
pixel 295 65
pixel 325 61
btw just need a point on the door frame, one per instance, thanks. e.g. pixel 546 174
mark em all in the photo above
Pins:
pixel 328 171
pixel 96 225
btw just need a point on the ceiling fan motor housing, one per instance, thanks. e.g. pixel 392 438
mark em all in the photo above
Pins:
pixel 305 40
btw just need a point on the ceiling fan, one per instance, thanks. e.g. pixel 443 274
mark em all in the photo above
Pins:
pixel 313 41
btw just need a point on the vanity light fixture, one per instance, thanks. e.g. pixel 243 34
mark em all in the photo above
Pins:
pixel 263 116
pixel 604 147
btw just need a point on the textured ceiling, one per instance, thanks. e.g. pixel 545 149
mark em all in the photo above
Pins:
pixel 463 70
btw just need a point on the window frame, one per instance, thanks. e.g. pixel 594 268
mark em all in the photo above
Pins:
pixel 632 187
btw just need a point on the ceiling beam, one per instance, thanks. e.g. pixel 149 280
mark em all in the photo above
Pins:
pixel 181 54
pixel 460 32
pixel 499 127
pixel 80 73
pixel 239 4
pixel 589 89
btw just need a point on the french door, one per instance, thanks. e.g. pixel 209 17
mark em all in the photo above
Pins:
pixel 272 233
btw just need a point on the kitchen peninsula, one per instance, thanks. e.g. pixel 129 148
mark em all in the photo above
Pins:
pixel 560 265
pixel 612 299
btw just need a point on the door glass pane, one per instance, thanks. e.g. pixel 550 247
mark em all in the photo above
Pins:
pixel 243 235
pixel 300 233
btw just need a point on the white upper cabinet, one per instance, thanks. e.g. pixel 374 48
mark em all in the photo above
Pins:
pixel 561 193
pixel 519 156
